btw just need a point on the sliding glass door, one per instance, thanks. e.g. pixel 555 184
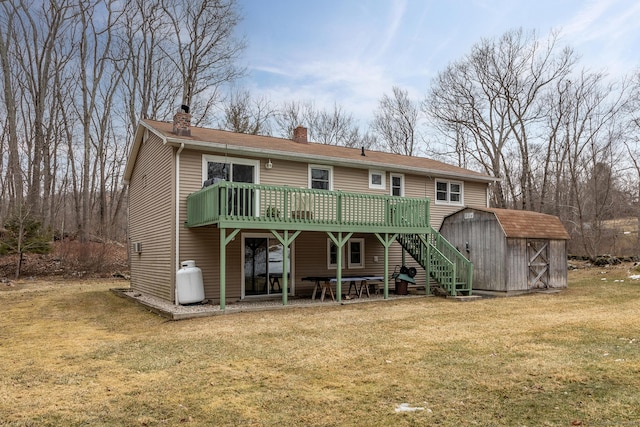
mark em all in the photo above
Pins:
pixel 262 275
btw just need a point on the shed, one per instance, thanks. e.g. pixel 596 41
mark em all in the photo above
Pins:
pixel 512 251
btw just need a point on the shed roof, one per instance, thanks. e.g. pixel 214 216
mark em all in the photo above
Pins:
pixel 527 224
pixel 279 148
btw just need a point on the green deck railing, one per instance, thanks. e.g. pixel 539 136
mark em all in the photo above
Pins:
pixel 271 206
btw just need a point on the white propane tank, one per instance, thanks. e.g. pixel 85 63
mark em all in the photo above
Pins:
pixel 189 287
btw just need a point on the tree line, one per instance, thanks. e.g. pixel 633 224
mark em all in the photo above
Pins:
pixel 78 75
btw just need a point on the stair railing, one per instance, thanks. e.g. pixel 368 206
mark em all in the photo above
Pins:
pixel 447 265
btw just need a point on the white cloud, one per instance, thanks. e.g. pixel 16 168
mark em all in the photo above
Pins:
pixel 353 52
pixel 606 33
pixel 397 15
pixel 353 84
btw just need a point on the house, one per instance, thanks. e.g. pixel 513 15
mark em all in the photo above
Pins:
pixel 248 208
pixel 512 251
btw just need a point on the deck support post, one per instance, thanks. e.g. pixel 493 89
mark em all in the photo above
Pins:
pixel 386 241
pixel 285 241
pixel 224 240
pixel 427 263
pixel 339 242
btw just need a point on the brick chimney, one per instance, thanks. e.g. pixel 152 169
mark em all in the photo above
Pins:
pixel 300 135
pixel 182 122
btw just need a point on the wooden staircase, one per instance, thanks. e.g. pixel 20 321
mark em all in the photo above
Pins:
pixel 441 260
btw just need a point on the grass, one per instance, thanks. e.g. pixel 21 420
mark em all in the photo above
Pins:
pixel 75 354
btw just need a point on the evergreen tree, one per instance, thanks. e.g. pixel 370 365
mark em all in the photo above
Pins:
pixel 24 234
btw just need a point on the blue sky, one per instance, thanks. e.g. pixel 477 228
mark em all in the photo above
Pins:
pixel 352 51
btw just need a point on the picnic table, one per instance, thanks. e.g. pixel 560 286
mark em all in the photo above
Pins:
pixel 324 284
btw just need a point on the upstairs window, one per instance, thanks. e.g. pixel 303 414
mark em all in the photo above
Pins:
pixel 217 168
pixel 377 180
pixel 397 185
pixel 320 177
pixel 449 192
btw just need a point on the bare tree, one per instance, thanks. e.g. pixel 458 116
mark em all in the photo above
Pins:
pixel 245 114
pixel 293 114
pixel 632 148
pixel 396 121
pixel 149 89
pixel 14 177
pixel 43 31
pixel 203 48
pixel 99 79
pixel 335 127
pixel 491 100
pixel 591 133
pixel 24 234
pixel 331 127
pixel 65 64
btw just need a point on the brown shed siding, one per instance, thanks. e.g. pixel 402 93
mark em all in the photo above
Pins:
pixel 487 248
pixel 558 269
pixel 151 219
pixel 501 263
pixel 517 267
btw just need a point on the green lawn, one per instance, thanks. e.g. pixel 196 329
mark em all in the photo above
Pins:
pixel 76 354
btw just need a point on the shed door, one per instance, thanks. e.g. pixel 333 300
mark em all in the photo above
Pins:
pixel 538 255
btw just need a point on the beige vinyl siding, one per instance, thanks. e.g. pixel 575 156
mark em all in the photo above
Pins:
pixel 201 244
pixel 311 260
pixel 474 194
pixel 353 180
pixel 151 219
pixel 284 172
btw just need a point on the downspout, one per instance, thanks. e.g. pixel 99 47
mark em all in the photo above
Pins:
pixel 177 211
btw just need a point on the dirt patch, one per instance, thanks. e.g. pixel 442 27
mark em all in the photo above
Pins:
pixel 70 259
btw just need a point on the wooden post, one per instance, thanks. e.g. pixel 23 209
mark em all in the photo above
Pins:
pixel 339 242
pixel 224 240
pixel 386 242
pixel 223 265
pixel 285 241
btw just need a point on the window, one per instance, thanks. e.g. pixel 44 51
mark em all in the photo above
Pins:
pixel 239 201
pixel 449 192
pixel 397 185
pixel 219 168
pixel 354 250
pixel 332 255
pixel 321 177
pixel 356 253
pixel 377 180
